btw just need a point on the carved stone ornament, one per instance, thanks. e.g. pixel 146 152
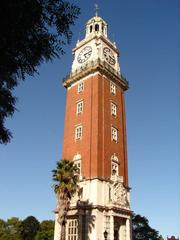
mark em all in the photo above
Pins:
pixel 74 199
pixel 120 194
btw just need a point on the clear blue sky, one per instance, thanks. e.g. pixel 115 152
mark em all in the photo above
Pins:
pixel 148 35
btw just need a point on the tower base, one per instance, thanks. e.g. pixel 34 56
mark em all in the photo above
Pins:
pixel 93 217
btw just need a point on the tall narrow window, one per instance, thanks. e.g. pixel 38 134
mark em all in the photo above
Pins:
pixel 72 229
pixel 113 109
pixel 78 165
pixel 114 169
pixel 114 134
pixel 90 28
pixel 97 27
pixel 112 88
pixel 79 107
pixel 78 133
pixel 107 226
pixel 80 86
pixel 77 162
pixel 102 28
pixel 114 165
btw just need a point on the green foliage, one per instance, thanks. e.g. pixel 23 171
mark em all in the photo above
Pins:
pixel 66 180
pixel 141 229
pixel 30 227
pixel 46 231
pixel 45 235
pixel 3 229
pixel 65 177
pixel 34 31
pixel 11 229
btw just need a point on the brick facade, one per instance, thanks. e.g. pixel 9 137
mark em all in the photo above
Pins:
pixel 96 146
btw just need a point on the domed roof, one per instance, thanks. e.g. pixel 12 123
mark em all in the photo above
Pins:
pixel 95 19
pixel 96 26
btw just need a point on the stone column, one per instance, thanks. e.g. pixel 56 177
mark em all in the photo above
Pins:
pixel 57 229
pixel 111 237
pixel 128 229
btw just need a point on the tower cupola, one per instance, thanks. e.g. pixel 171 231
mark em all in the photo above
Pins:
pixel 96 26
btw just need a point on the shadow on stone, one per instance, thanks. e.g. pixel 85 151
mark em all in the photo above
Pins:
pixel 86 219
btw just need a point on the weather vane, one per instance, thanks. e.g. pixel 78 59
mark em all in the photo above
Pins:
pixel 96 9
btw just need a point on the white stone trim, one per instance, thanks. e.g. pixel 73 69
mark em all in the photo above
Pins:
pixel 80 86
pixel 77 157
pixel 113 109
pixel 57 229
pixel 78 132
pixel 112 88
pixel 114 158
pixel 79 107
pixel 128 229
pixel 84 79
pixel 114 134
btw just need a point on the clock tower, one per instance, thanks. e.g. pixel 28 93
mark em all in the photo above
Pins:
pixel 95 139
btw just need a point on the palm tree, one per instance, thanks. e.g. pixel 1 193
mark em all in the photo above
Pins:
pixel 66 184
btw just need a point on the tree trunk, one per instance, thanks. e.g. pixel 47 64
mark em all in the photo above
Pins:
pixel 63 232
pixel 63 205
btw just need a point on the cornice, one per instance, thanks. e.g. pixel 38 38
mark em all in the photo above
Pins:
pixel 86 206
pixel 96 66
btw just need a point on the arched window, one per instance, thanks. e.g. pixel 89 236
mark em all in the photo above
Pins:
pixel 102 28
pixel 114 169
pixel 114 165
pixel 90 28
pixel 77 161
pixel 97 27
pixel 72 229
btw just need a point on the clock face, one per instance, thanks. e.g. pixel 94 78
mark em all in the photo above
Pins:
pixel 109 56
pixel 84 54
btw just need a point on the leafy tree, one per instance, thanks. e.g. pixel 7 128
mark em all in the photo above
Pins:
pixel 66 184
pixel 11 229
pixel 142 231
pixel 46 231
pixel 3 229
pixel 32 31
pixel 30 227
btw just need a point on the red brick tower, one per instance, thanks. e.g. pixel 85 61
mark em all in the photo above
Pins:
pixel 95 138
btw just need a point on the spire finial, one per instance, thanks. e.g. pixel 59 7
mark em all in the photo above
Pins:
pixel 96 9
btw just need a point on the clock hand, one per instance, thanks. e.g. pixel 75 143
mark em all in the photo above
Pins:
pixel 111 58
pixel 88 53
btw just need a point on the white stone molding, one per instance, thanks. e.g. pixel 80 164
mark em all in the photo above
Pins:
pixel 111 228
pixel 77 157
pixel 128 230
pixel 93 66
pixel 57 228
pixel 114 158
